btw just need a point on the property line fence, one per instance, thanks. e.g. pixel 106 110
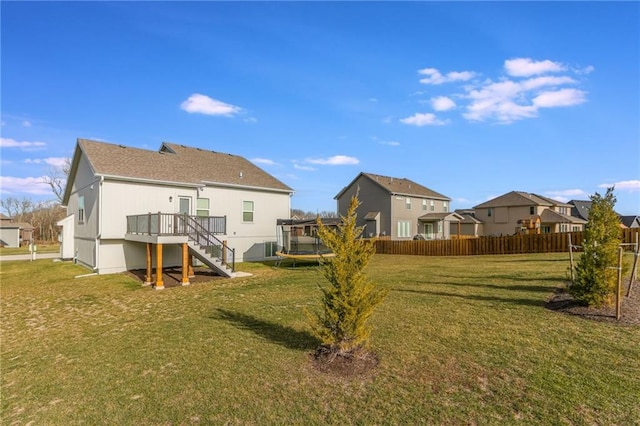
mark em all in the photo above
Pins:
pixel 511 244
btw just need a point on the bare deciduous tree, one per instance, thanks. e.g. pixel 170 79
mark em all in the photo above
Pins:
pixel 56 178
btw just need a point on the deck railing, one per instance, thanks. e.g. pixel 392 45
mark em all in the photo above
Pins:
pixel 199 229
pixel 173 224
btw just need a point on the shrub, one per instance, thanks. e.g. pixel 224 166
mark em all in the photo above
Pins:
pixel 595 277
pixel 349 299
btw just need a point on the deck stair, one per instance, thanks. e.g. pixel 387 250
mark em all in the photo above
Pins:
pixel 208 248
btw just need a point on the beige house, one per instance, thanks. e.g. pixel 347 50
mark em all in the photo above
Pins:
pixel 130 207
pixel 523 212
pixel 398 207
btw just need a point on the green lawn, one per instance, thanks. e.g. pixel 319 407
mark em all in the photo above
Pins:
pixel 40 248
pixel 462 340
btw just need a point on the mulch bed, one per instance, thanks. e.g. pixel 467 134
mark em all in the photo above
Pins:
pixel 172 277
pixel 360 364
pixel 562 302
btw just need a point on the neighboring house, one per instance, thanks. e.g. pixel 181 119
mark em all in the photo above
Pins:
pixel 122 200
pixel 469 226
pixel 14 234
pixel 399 208
pixel 517 212
pixel 630 221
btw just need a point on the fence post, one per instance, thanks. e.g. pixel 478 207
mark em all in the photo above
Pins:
pixel 619 284
pixel 571 260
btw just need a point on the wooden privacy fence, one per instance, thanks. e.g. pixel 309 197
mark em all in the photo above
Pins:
pixel 511 244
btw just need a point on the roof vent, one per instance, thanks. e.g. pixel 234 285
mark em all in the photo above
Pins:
pixel 240 175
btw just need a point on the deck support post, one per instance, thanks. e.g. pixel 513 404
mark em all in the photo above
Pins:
pixel 148 279
pixel 191 271
pixel 159 282
pixel 185 264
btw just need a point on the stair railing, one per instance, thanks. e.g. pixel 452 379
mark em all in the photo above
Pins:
pixel 204 238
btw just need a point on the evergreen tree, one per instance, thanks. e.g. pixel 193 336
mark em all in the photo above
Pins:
pixel 595 280
pixel 349 299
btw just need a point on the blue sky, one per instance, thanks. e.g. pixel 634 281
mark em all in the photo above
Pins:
pixel 472 100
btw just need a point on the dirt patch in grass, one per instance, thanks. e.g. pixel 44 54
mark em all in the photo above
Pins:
pixel 360 364
pixel 562 301
pixel 172 277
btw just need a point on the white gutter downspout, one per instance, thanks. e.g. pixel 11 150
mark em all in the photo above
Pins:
pixel 99 222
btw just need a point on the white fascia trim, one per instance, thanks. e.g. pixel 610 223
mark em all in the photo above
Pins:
pixel 420 196
pixel 151 181
pixel 256 188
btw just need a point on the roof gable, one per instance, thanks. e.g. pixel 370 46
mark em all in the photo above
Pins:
pixel 172 163
pixel 516 199
pixel 399 186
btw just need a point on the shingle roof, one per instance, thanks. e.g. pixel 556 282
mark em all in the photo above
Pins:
pixel 439 216
pixel 176 163
pixel 517 198
pixel 580 208
pixel 630 221
pixel 550 216
pixel 400 186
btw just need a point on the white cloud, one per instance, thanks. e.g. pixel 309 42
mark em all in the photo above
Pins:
pixel 51 161
pixel 26 123
pixel 23 145
pixel 625 185
pixel 336 160
pixel 524 88
pixel 442 103
pixel 559 98
pixel 525 67
pixel 28 185
pixel 264 161
pixel 565 195
pixel 202 104
pixel 383 142
pixel 433 76
pixel 507 100
pixel 423 119
pixel 585 70
pixel 305 168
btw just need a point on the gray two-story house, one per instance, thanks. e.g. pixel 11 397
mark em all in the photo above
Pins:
pixel 398 208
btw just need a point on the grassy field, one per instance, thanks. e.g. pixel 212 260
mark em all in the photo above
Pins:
pixel 462 340
pixel 40 248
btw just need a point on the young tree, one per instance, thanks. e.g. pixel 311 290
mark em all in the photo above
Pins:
pixel 595 278
pixel 349 299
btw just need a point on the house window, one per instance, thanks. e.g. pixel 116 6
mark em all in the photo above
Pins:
pixel 445 207
pixel 545 229
pixel 404 228
pixel 424 205
pixel 202 207
pixel 532 210
pixel 81 209
pixel 564 227
pixel 575 228
pixel 439 227
pixel 247 211
pixel 408 203
pixel 432 205
pixel 270 248
pixel 489 212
